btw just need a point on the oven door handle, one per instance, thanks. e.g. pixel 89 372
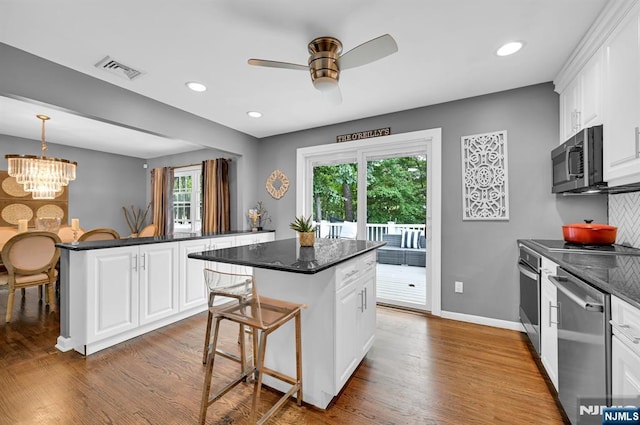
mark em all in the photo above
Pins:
pixel 528 273
pixel 586 305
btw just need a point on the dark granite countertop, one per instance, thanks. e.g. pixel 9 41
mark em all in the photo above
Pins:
pixel 176 237
pixel 618 275
pixel 287 255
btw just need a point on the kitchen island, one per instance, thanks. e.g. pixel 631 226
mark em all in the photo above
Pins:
pixel 115 290
pixel 336 279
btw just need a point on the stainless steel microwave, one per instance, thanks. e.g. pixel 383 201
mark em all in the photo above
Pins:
pixel 577 163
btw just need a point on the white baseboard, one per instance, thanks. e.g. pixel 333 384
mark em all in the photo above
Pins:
pixel 481 320
pixel 64 344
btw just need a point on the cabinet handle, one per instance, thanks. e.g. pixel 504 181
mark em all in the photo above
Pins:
pixel 551 322
pixel 361 301
pixel 578 118
pixel 624 330
pixel 364 297
pixel 144 261
pixel 637 153
pixel 135 263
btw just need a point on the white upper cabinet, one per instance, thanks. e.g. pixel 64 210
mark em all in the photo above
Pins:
pixel 621 151
pixel 581 100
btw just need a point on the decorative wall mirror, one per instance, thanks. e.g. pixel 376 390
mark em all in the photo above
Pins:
pixel 277 184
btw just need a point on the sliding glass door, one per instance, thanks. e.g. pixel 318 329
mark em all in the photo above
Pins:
pixel 396 203
pixel 381 190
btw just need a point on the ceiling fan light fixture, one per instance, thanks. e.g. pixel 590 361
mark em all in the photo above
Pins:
pixel 325 83
pixel 196 86
pixel 509 48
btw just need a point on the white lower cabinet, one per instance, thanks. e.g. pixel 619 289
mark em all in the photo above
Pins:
pixel 112 295
pixel 625 351
pixel 193 292
pixel 549 321
pixel 119 293
pixel 158 280
pixel 355 314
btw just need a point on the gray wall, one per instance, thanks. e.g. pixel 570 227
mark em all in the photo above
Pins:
pixel 481 254
pixel 32 77
pixel 104 182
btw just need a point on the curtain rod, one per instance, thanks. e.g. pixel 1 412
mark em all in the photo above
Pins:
pixel 197 163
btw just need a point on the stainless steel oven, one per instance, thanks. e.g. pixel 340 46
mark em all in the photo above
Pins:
pixel 529 268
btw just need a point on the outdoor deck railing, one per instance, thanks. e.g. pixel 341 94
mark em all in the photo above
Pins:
pixel 375 232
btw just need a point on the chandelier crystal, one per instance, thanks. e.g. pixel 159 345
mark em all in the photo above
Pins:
pixel 42 176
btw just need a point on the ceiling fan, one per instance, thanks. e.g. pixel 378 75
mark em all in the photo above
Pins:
pixel 325 61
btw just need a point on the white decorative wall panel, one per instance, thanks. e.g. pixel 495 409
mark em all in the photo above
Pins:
pixel 624 213
pixel 485 188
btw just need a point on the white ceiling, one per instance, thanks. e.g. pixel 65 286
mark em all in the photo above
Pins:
pixel 446 52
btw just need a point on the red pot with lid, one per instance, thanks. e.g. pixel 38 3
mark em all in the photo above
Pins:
pixel 589 233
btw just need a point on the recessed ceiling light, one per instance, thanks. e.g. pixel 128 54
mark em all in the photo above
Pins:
pixel 254 114
pixel 509 48
pixel 195 86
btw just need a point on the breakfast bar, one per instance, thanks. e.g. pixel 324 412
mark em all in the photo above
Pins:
pixel 336 280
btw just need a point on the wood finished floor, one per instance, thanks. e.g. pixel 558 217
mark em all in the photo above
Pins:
pixel 421 370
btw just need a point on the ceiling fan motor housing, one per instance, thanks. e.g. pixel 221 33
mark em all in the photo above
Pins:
pixel 323 65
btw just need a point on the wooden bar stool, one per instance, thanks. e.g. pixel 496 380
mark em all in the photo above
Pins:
pixel 262 316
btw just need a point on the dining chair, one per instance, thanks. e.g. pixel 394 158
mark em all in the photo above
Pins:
pixel 262 316
pixel 149 230
pixel 66 233
pixel 99 234
pixel 30 259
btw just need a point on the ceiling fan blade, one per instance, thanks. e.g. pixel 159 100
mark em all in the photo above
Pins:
pixel 276 64
pixel 368 52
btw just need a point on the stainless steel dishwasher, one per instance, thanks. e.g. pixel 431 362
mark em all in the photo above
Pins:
pixel 584 347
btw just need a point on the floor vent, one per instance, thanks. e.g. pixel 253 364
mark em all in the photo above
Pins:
pixel 117 68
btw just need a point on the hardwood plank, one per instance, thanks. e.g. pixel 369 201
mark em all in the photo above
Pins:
pixel 421 370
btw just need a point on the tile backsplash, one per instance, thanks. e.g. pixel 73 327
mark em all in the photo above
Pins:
pixel 624 213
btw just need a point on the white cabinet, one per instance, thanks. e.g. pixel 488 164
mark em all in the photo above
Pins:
pixel 581 101
pixel 193 292
pixel 625 351
pixel 355 314
pixel 111 293
pixel 131 286
pixel 621 153
pixel 549 321
pixel 158 279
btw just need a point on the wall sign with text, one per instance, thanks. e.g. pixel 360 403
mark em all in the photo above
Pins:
pixel 363 135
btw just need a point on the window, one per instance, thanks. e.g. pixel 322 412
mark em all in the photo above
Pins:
pixel 187 202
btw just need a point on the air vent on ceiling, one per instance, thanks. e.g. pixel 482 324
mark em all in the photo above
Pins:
pixel 117 68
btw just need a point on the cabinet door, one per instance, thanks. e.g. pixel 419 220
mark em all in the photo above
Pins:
pixel 625 369
pixel 193 292
pixel 112 292
pixel 569 109
pixel 622 103
pixel 549 322
pixel 590 112
pixel 347 350
pixel 158 266
pixel 367 320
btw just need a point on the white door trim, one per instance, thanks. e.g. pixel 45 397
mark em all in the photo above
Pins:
pixel 424 140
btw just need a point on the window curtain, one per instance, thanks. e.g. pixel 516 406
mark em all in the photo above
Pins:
pixel 216 214
pixel 162 199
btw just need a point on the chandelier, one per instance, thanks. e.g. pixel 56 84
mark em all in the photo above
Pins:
pixel 42 176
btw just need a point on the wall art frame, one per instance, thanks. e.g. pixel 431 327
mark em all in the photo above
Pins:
pixel 485 182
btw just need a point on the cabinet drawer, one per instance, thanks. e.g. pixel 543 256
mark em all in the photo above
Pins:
pixel 625 323
pixel 346 273
pixel 368 261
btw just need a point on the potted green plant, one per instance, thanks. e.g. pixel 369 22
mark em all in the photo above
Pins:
pixel 306 230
